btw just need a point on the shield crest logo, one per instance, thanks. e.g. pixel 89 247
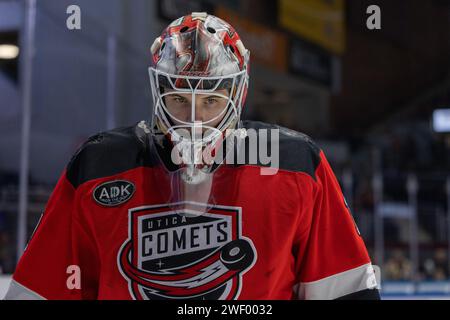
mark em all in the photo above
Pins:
pixel 172 254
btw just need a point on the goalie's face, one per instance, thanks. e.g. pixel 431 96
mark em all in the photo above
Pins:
pixel 208 109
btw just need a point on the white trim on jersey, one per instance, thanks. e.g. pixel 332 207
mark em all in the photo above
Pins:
pixel 17 291
pixel 339 285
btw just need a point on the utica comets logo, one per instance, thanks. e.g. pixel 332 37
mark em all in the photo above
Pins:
pixel 184 255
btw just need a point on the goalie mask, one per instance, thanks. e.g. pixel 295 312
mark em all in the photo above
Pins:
pixel 199 80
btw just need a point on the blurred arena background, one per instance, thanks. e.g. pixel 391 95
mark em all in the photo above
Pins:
pixel 377 102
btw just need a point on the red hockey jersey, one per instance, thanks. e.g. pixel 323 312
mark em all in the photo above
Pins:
pixel 283 236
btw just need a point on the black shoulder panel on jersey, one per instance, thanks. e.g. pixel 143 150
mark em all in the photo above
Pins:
pixel 367 294
pixel 111 152
pixel 108 153
pixel 297 151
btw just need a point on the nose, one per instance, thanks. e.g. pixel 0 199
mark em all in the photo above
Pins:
pixel 199 114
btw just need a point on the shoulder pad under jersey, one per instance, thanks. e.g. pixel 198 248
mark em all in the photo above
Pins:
pixel 297 151
pixel 110 152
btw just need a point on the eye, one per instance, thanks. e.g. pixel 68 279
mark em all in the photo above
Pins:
pixel 179 99
pixel 211 100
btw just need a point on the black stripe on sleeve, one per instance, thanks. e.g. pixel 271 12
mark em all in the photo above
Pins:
pixel 367 294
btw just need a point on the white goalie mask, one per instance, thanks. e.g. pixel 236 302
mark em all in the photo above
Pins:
pixel 199 81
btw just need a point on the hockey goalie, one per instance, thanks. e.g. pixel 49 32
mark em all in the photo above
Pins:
pixel 186 205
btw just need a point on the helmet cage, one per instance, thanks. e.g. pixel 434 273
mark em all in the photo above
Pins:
pixel 197 85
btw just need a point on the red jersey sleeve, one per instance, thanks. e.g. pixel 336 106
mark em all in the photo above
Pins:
pixel 60 260
pixel 335 262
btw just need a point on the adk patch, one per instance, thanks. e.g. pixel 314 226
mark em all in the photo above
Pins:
pixel 113 193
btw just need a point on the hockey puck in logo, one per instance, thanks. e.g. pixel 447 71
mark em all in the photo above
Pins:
pixel 237 254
